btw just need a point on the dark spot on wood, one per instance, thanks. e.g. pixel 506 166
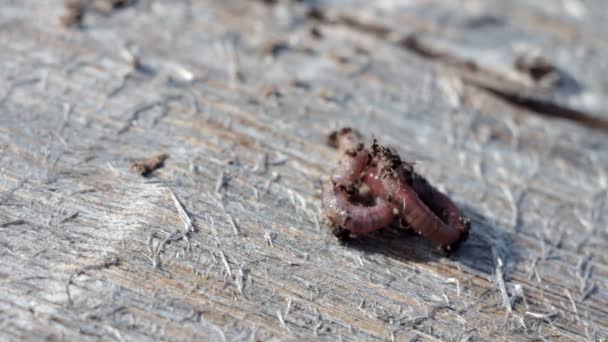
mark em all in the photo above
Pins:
pixel 146 167
pixel 74 15
pixel 549 108
pixel 361 51
pixel 535 65
pixel 316 14
pixel 328 95
pixel 485 21
pixel 332 138
pixel 108 6
pixel 315 32
pixel 296 83
pixel 341 234
pixel 270 90
pixel 76 9
pixel 275 48
pixel 339 59
pixel 12 223
pixel 120 3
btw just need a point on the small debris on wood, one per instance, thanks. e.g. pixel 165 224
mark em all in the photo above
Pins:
pixel 131 56
pixel 360 50
pixel 76 9
pixel 240 279
pixel 501 284
pixel 12 223
pixel 316 13
pixel 123 83
pixel 282 320
pixel 315 32
pixel 235 228
pixel 485 21
pixel 328 95
pixel 269 237
pixel 538 67
pixel 69 217
pixel 573 303
pixel 296 83
pixel 288 308
pixel 547 317
pixel 226 264
pixel 220 183
pixel 183 215
pixel 274 48
pixel 591 289
pixel 146 167
pixel 74 15
pixel 107 6
pixel 340 60
pixel 181 74
pixel 279 160
pixel 270 90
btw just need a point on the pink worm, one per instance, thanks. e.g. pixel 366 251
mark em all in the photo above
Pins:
pixel 440 204
pixel 397 190
pixel 354 159
pixel 356 218
pixel 416 211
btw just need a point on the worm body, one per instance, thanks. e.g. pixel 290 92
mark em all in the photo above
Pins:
pixel 349 169
pixel 441 205
pixel 394 189
pixel 355 157
pixel 436 225
pixel 356 218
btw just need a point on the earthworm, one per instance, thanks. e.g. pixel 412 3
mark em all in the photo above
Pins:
pixel 428 211
pixel 435 221
pixel 395 190
pixel 354 159
pixel 356 218
pixel 441 205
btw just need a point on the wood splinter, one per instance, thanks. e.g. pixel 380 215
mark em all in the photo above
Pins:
pixel 371 188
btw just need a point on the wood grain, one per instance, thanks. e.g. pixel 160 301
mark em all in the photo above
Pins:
pixel 241 95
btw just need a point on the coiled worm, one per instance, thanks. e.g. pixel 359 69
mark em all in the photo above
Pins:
pixel 393 189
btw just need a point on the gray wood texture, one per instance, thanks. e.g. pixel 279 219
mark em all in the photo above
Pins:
pixel 241 95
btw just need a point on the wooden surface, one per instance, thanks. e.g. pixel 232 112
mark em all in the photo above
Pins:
pixel 241 95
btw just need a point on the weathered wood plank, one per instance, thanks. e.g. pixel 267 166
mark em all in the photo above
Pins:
pixel 91 250
pixel 484 40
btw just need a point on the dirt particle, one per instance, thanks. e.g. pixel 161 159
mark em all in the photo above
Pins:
pixel 296 83
pixel 315 32
pixel 147 166
pixel 270 90
pixel 275 48
pixel 536 66
pixel 76 9
pixel 332 138
pixel 107 6
pixel 74 13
